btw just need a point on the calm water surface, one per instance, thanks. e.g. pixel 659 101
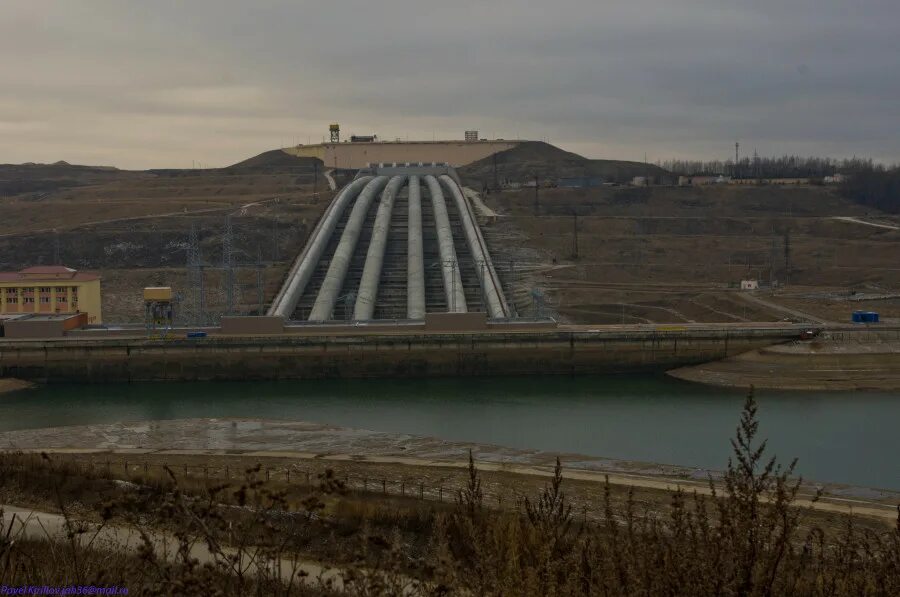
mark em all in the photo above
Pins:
pixel 840 437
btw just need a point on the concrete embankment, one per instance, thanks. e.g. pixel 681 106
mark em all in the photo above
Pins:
pixel 847 360
pixel 645 348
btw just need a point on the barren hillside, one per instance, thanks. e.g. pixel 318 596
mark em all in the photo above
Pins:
pixel 134 227
pixel 658 254
pixel 535 158
pixel 669 254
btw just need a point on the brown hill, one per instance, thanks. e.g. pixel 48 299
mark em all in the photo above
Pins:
pixel 16 179
pixel 276 160
pixel 536 158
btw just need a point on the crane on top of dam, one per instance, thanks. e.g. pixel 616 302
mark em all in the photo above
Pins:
pixel 400 241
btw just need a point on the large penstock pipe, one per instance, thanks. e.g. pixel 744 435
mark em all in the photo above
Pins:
pixel 484 268
pixel 289 295
pixel 415 264
pixel 340 261
pixel 453 288
pixel 368 285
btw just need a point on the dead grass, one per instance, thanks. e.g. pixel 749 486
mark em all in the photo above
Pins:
pixel 750 538
pixel 685 249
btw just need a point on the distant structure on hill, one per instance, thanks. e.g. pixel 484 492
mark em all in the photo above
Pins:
pixel 362 150
pixel 482 163
pixel 580 182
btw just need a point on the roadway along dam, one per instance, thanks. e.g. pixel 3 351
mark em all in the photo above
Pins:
pixel 394 244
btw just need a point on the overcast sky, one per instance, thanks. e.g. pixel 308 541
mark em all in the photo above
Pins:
pixel 159 83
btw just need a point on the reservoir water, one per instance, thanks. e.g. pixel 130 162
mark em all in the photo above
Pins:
pixel 841 437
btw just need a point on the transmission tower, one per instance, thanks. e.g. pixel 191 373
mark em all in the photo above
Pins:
pixel 195 305
pixel 787 256
pixel 275 240
pixel 56 257
pixel 496 179
pixel 574 233
pixel 772 259
pixel 259 279
pixel 228 266
pixel 538 301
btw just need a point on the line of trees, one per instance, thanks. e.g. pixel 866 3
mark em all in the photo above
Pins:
pixel 787 166
pixel 876 186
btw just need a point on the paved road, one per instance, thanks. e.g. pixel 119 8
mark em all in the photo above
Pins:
pixel 331 184
pixel 864 223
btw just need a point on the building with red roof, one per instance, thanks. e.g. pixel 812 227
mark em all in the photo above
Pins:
pixel 51 289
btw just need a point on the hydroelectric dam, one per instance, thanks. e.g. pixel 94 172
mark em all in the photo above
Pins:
pixel 395 280
pixel 396 243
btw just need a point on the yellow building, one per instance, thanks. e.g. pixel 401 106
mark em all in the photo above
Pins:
pixel 51 289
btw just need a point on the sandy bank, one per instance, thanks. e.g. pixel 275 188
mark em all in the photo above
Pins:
pixel 8 384
pixel 211 442
pixel 299 439
pixel 843 362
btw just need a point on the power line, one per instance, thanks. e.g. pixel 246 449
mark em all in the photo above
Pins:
pixel 574 233
pixel 228 266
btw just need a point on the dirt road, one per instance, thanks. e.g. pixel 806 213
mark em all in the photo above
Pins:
pixel 864 223
pixel 27 523
pixel 757 300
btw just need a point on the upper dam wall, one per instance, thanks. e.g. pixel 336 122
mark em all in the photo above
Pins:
pixel 357 155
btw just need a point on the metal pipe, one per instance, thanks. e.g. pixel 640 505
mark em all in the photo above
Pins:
pixel 453 288
pixel 484 269
pixel 340 261
pixel 289 295
pixel 415 264
pixel 368 284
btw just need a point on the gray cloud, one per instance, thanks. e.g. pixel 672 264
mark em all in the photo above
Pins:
pixel 143 84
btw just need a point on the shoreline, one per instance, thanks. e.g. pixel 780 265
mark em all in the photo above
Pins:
pixel 832 364
pixel 217 440
pixel 11 384
pixel 884 508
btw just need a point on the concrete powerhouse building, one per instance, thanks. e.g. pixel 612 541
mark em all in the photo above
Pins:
pixel 50 289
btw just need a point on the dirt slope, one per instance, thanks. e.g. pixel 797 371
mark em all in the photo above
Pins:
pixel 276 160
pixel 523 162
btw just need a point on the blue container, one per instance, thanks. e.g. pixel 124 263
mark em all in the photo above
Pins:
pixel 865 317
pixel 196 334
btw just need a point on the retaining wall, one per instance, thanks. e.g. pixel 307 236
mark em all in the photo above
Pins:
pixel 432 355
pixel 357 155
